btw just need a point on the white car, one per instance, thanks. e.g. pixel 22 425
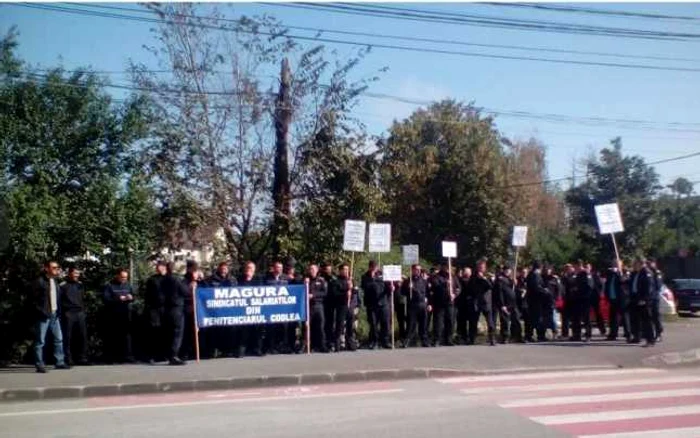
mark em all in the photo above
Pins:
pixel 667 305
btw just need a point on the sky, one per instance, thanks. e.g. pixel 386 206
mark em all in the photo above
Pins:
pixel 669 98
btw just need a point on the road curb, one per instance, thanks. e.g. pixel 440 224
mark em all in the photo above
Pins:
pixel 68 392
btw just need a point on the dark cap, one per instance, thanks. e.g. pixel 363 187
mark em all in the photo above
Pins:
pixel 161 263
pixel 191 264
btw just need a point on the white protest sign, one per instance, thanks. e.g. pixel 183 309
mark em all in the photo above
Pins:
pixel 449 249
pixel 519 236
pixel 379 237
pixel 410 254
pixel 609 219
pixel 392 272
pixel 354 236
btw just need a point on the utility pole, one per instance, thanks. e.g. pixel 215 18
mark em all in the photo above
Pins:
pixel 281 190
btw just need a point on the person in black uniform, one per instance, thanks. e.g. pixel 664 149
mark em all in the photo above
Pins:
pixel 400 309
pixel 377 305
pixel 175 291
pixel 521 292
pixel 585 287
pixel 154 310
pixel 318 291
pixel 535 295
pixel 480 288
pixel 595 299
pixel 415 289
pixel 329 305
pixel 552 292
pixel 506 304
pixel 193 276
pixel 442 303
pixel 641 288
pixel 225 339
pixel 273 334
pixel 118 296
pixel 616 302
pixel 289 329
pixel 250 335
pixel 341 296
pixel 464 304
pixel 655 299
pixel 351 343
pixel 72 311
pixel 569 291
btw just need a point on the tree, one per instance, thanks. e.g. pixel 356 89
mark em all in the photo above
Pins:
pixel 614 177
pixel 71 184
pixel 444 174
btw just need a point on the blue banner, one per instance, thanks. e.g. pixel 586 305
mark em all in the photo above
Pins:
pixel 246 305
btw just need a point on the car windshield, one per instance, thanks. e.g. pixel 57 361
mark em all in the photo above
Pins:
pixel 692 283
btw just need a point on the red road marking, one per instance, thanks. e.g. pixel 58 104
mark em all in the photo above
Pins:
pixel 635 425
pixel 242 394
pixel 619 405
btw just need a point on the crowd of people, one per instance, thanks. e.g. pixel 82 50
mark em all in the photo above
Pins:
pixel 432 307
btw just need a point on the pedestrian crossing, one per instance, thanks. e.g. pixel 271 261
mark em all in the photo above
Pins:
pixel 618 403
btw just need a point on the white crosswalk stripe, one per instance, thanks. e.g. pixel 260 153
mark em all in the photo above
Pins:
pixel 626 403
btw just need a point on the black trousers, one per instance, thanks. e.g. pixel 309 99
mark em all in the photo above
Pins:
pixel 443 329
pixel 119 328
pixel 547 317
pixel 533 319
pixel 176 329
pixel 329 321
pixel 378 318
pixel 74 332
pixel 417 324
pixel 655 318
pixel 156 338
pixel 474 322
pixel 510 324
pixel 617 313
pixel 349 332
pixel 566 319
pixel 318 330
pixel 581 316
pixel 642 323
pixel 339 315
pixel 401 310
pixel 465 313
pixel 187 344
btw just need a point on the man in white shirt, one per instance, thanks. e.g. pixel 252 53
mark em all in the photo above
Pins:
pixel 45 292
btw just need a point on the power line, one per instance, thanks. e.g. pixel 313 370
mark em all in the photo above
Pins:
pixel 370 44
pixel 593 11
pixel 425 40
pixel 372 10
pixel 555 118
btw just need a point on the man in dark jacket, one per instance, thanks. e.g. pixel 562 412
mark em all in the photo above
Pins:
pixel 595 299
pixel 329 304
pixel 617 301
pixel 318 292
pixel 118 297
pixel 289 337
pixel 226 339
pixel 581 313
pixel 250 334
pixel 553 291
pixel 535 296
pixel 464 304
pixel 193 276
pixel 154 301
pixel 570 292
pixel 415 289
pixel 273 334
pixel 73 324
pixel 641 289
pixel 45 291
pixel 377 305
pixel 506 304
pixel 655 299
pixel 442 296
pixel 175 292
pixel 341 295
pixel 480 289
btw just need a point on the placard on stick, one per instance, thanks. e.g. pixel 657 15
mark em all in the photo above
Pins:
pixel 379 237
pixel 519 236
pixel 449 249
pixel 354 236
pixel 392 272
pixel 609 219
pixel 410 254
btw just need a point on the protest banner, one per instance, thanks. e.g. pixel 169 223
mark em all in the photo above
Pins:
pixel 354 240
pixel 392 273
pixel 519 239
pixel 449 250
pixel 610 222
pixel 410 254
pixel 379 239
pixel 249 305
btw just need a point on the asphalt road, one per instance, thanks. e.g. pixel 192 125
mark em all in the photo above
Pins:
pixel 644 402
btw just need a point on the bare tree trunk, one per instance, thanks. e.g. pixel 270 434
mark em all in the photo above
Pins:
pixel 281 186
